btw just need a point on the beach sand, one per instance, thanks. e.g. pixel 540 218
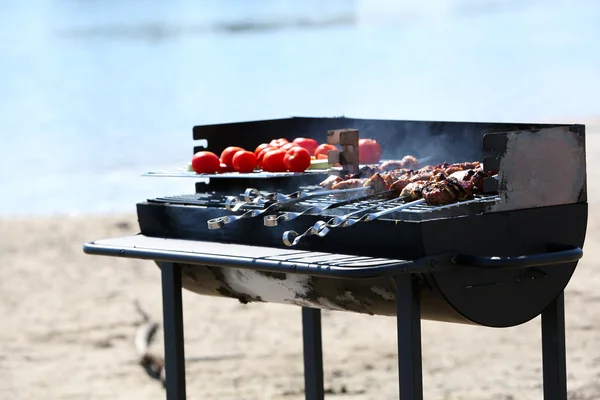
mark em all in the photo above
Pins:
pixel 68 321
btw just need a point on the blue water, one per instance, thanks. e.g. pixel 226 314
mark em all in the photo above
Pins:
pixel 94 93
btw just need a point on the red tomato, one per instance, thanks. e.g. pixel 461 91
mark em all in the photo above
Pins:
pixel 288 146
pixel 228 153
pixel 324 149
pixel 244 161
pixel 260 147
pixel 261 154
pixel 279 142
pixel 297 159
pixel 273 161
pixel 309 144
pixel 205 162
pixel 369 151
pixel 226 168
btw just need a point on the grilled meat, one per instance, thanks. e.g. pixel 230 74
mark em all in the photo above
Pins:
pixel 412 191
pixel 330 181
pixel 461 167
pixel 348 184
pixel 376 184
pixel 410 161
pixel 365 172
pixel 447 191
pixel 436 184
pixel 388 179
pixel 475 177
pixel 407 162
pixel 400 183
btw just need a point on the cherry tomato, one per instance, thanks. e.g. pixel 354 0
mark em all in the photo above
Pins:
pixel 369 151
pixel 279 142
pixel 261 155
pixel 288 146
pixel 226 168
pixel 297 159
pixel 205 162
pixel 324 149
pixel 228 153
pixel 273 161
pixel 260 147
pixel 244 161
pixel 309 144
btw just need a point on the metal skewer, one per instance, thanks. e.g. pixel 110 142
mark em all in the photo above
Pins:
pixel 281 201
pixel 274 220
pixel 321 228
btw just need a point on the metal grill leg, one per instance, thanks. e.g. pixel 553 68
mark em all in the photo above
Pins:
pixel 409 338
pixel 173 327
pixel 313 353
pixel 553 350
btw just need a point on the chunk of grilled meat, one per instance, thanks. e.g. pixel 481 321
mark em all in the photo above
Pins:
pixel 348 184
pixel 412 191
pixel 410 162
pixel 461 167
pixel 330 181
pixel 376 184
pixel 389 180
pixel 447 191
pixel 365 172
pixel 474 176
pixel 432 174
pixel 407 162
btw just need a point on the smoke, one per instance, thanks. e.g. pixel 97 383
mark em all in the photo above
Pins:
pixel 436 141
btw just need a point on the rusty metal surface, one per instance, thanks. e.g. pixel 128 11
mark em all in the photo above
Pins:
pixel 541 168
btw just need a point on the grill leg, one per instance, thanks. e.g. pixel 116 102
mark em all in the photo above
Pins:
pixel 553 350
pixel 409 338
pixel 313 353
pixel 173 326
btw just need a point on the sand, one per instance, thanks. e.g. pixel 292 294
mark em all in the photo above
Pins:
pixel 68 320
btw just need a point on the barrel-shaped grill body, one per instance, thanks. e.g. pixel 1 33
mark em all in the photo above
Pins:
pixel 520 222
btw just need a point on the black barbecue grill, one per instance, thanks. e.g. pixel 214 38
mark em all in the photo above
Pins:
pixel 499 259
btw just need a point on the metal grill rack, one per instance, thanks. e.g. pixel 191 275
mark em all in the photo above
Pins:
pixel 414 213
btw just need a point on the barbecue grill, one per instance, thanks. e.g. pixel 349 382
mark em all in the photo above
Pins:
pixel 497 260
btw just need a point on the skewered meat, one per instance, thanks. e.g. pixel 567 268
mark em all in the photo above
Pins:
pixel 365 172
pixel 348 184
pixel 376 184
pixel 461 167
pixel 391 165
pixel 446 191
pixel 408 162
pixel 475 177
pixel 330 181
pixel 436 184
pixel 427 175
pixel 412 191
pixel 388 179
pixel 399 185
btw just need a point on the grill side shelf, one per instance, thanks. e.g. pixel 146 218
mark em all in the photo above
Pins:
pixel 307 262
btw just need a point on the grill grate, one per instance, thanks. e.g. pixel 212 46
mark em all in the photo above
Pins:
pixel 416 212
